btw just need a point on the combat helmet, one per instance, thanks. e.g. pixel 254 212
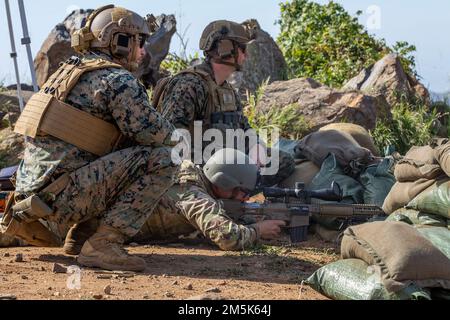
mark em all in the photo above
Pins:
pixel 114 30
pixel 229 169
pixel 222 38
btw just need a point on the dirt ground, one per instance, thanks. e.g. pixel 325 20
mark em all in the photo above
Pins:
pixel 175 271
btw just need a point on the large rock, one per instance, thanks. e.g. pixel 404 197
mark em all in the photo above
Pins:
pixel 57 47
pixel 265 61
pixel 11 145
pixel 305 106
pixel 387 77
pixel 157 48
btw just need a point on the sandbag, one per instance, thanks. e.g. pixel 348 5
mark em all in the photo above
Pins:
pixel 317 146
pixel 424 154
pixel 353 191
pixel 417 218
pixel 400 253
pixel 288 146
pixel 439 237
pixel 304 172
pixel 442 155
pixel 434 200
pixel 403 192
pixel 377 181
pixel 408 170
pixel 353 279
pixel 327 235
pixel 359 133
pixel 418 163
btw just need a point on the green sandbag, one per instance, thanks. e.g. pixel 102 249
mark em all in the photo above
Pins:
pixel 417 218
pixel 352 279
pixel 439 237
pixel 377 181
pixel 435 200
pixel 353 191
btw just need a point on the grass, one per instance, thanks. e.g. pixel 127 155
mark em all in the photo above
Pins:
pixel 286 119
pixel 264 250
pixel 413 124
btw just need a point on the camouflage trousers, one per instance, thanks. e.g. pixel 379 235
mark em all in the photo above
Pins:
pixel 121 189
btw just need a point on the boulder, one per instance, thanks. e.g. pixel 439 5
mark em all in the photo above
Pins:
pixel 387 77
pixel 157 48
pixel 57 47
pixel 265 61
pixel 11 145
pixel 303 106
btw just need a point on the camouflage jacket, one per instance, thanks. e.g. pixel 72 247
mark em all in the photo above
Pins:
pixel 186 100
pixel 190 206
pixel 111 94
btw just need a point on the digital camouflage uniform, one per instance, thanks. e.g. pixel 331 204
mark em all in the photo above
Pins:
pixel 121 187
pixel 185 100
pixel 189 207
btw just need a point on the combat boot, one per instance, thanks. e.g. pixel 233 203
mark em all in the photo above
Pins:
pixel 78 235
pixel 105 250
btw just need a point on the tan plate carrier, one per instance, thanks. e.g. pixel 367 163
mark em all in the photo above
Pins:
pixel 47 114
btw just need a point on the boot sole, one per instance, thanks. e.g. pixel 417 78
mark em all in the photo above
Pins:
pixel 94 263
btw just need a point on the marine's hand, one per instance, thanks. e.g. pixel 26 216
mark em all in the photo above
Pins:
pixel 270 229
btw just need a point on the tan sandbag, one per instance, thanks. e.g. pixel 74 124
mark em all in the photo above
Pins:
pixel 442 155
pixel 400 253
pixel 403 192
pixel 424 154
pixel 304 172
pixel 359 133
pixel 418 163
pixel 408 170
pixel 317 146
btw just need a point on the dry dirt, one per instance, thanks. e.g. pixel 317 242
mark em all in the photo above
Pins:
pixel 175 271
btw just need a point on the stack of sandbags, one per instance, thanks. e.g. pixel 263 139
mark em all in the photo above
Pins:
pixel 422 169
pixel 343 153
pixel 388 261
pixel 423 186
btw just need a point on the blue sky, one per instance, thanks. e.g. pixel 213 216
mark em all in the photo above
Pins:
pixel 424 24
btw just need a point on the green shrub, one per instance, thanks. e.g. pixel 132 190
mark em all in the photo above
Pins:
pixel 413 124
pixel 174 63
pixel 327 44
pixel 291 125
